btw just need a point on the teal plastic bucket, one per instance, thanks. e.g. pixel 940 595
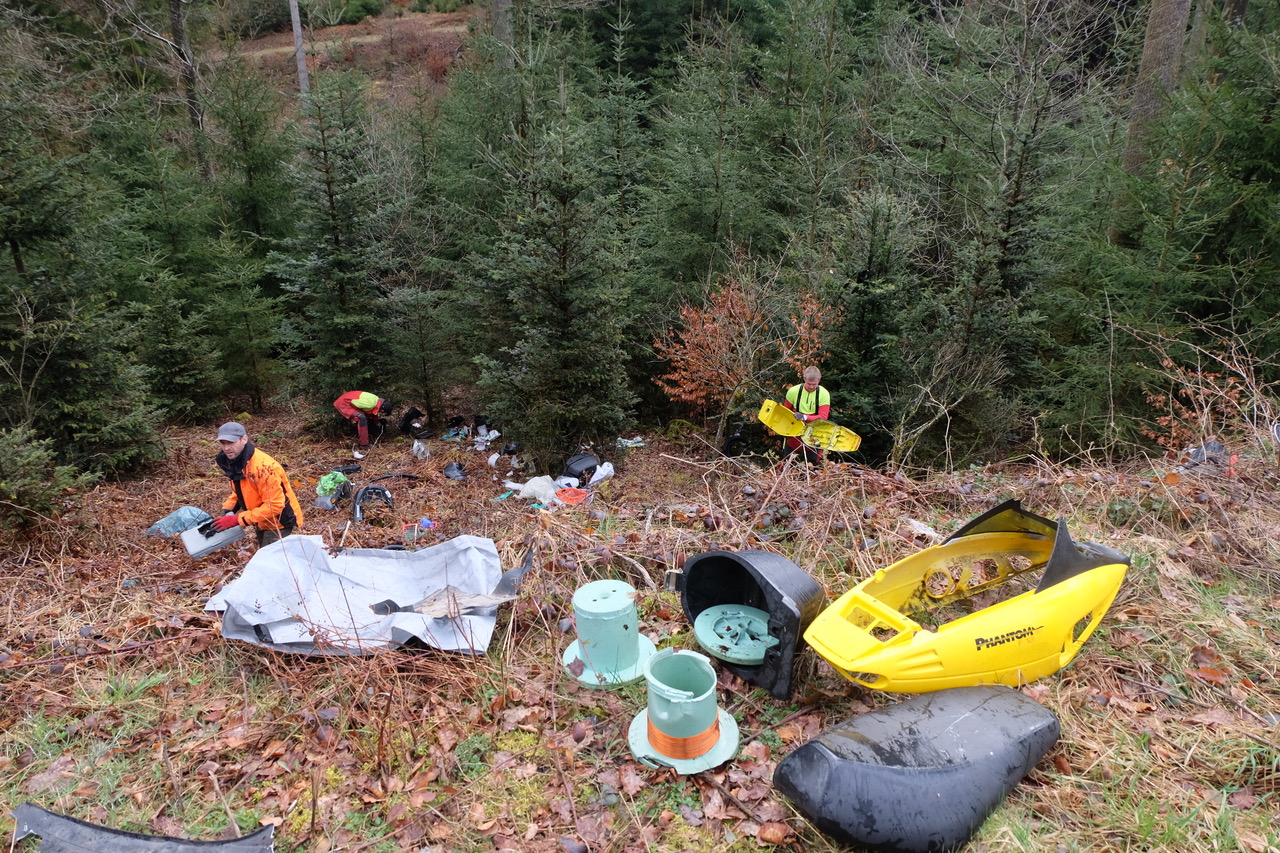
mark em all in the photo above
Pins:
pixel 682 704
pixel 610 650
pixel 682 693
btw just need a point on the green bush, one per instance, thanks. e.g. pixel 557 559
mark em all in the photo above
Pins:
pixel 436 5
pixel 357 10
pixel 33 490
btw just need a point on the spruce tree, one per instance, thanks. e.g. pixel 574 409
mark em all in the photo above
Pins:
pixel 553 296
pixel 67 374
pixel 253 157
pixel 329 267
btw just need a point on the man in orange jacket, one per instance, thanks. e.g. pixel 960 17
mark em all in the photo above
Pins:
pixel 261 493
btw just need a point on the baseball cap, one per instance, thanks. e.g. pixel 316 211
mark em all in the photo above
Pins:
pixel 231 431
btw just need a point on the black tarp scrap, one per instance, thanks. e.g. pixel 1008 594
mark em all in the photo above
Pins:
pixel 62 834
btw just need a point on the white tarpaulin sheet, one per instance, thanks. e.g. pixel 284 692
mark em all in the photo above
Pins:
pixel 296 597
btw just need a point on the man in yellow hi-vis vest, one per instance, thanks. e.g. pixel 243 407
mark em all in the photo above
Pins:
pixel 807 401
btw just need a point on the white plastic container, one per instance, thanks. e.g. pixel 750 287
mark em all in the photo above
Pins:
pixel 198 544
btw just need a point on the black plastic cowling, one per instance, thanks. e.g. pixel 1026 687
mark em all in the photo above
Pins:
pixel 765 581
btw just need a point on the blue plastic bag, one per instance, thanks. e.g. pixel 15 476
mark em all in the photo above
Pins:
pixel 177 521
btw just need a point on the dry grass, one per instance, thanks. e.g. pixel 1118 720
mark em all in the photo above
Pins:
pixel 121 704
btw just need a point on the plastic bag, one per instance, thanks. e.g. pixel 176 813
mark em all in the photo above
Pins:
pixel 541 489
pixel 331 484
pixel 179 520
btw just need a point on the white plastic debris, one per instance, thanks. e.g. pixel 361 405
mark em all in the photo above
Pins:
pixel 603 472
pixel 295 596
pixel 541 489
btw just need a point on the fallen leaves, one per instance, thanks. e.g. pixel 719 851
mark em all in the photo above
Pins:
pixel 53 776
pixel 774 833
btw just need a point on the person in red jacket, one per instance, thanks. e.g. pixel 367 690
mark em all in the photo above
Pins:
pixel 362 408
pixel 807 401
pixel 261 494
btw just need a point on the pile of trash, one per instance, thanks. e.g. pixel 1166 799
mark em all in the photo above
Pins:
pixel 581 473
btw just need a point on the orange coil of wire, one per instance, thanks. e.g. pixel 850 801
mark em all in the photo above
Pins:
pixel 684 747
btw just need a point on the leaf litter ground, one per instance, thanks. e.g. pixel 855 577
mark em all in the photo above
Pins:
pixel 122 705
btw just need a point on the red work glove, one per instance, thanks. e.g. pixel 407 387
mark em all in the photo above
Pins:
pixel 225 522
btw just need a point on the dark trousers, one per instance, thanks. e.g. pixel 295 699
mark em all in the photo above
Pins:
pixel 266 537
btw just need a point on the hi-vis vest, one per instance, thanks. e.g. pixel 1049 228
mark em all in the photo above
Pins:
pixel 366 402
pixel 808 403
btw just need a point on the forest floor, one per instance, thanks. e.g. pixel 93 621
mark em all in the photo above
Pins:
pixel 403 53
pixel 121 703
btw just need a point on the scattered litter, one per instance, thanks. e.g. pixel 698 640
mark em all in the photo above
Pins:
pixel 451 602
pixel 610 650
pixel 183 518
pixel 567 482
pixel 205 539
pixel 682 726
pixel 455 471
pixel 923 530
pixel 631 442
pixel 457 431
pixel 415 530
pixel 331 488
pixel 542 489
pixel 502 497
pixel 572 496
pixel 294 596
pixel 920 775
pixel 398 475
pixel 723 592
pixel 357 454
pixel 1210 458
pixel 603 472
pixel 420 449
pixel 1212 451
pixel 332 483
pixel 369 494
pixel 581 467
pixel 484 437
pixel 62 834
pixel 877 633
pixel 411 420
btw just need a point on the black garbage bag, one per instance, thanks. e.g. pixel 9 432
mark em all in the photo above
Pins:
pixel 582 467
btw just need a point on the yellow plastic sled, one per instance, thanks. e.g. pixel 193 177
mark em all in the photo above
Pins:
pixel 819 433
pixel 873 634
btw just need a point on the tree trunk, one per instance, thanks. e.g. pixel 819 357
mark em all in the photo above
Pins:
pixel 503 31
pixel 299 53
pixel 1157 74
pixel 190 87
